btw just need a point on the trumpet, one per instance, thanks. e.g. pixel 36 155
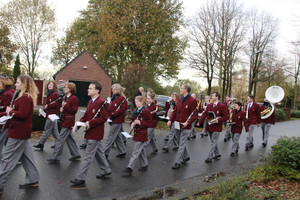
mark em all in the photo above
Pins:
pixel 213 121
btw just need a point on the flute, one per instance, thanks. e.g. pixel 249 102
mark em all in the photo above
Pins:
pixel 97 113
pixel 11 102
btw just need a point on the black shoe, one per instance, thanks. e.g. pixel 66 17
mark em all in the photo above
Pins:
pixel 205 134
pixel 78 182
pixel 189 138
pixel 74 158
pixel 185 160
pixel 166 139
pixel 106 156
pixel 225 139
pixel 251 146
pixel 175 148
pixel 201 135
pixel 40 146
pixel 53 146
pixel 208 160
pixel 103 175
pixel 27 185
pixel 83 146
pixel 232 154
pixel 1 191
pixel 128 171
pixel 217 156
pixel 50 160
pixel 193 137
pixel 237 151
pixel 124 141
pixel 154 152
pixel 175 166
pixel 121 155
pixel 165 149
pixel 143 168
pixel 264 144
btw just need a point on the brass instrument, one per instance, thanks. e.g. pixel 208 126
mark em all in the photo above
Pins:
pixel 213 121
pixel 274 94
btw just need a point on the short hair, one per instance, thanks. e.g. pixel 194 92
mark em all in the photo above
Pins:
pixel 238 103
pixel 251 96
pixel 217 95
pixel 72 87
pixel 6 82
pixel 54 86
pixel 140 99
pixel 187 87
pixel 97 85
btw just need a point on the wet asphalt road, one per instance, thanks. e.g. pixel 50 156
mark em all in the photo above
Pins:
pixel 55 178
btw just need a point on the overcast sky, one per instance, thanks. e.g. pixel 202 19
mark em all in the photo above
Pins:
pixel 285 10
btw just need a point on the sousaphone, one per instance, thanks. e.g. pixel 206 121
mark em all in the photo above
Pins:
pixel 274 94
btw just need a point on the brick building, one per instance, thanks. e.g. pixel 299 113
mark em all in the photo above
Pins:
pixel 82 70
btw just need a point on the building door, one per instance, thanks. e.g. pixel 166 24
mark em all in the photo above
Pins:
pixel 81 93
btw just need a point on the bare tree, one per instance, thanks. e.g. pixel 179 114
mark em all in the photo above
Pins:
pixel 32 24
pixel 263 33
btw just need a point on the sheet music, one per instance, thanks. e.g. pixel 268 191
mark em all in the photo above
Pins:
pixel 126 135
pixel 109 120
pixel 108 100
pixel 78 124
pixel 4 119
pixel 53 117
pixel 42 112
pixel 177 125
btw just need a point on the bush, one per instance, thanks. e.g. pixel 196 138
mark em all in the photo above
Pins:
pixel 280 115
pixel 287 112
pixel 285 155
pixel 295 113
pixel 38 123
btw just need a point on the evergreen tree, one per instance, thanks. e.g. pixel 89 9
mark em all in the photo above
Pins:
pixel 17 69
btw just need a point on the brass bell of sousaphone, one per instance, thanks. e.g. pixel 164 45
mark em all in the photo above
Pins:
pixel 274 94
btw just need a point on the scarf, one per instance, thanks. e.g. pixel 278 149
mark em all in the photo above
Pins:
pixel 137 111
pixel 4 90
pixel 115 96
pixel 49 93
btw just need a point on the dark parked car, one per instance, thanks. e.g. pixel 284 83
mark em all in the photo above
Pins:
pixel 161 102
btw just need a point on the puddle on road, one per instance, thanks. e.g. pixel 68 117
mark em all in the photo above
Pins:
pixel 160 194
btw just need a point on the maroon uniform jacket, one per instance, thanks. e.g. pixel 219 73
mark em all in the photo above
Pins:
pixel 96 130
pixel 118 116
pixel 220 111
pixel 269 120
pixel 5 98
pixel 167 107
pixel 52 108
pixel 69 112
pixel 254 116
pixel 153 108
pixel 182 111
pixel 205 104
pixel 140 131
pixel 20 126
pixel 239 118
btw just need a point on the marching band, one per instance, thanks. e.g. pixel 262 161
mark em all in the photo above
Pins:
pixel 182 112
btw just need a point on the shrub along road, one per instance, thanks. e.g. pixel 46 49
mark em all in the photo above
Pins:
pixel 55 178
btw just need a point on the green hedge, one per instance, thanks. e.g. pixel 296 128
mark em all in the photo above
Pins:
pixel 280 115
pixel 295 113
pixel 38 123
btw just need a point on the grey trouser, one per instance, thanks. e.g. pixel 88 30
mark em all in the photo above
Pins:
pixel 93 150
pixel 50 127
pixel 235 141
pixel 65 136
pixel 115 136
pixel 214 136
pixel 265 132
pixel 204 132
pixel 249 141
pixel 192 131
pixel 15 151
pixel 173 137
pixel 138 153
pixel 3 138
pixel 182 151
pixel 228 131
pixel 151 139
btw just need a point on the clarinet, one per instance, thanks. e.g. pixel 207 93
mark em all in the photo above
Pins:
pixel 60 114
pixel 98 112
pixel 132 128
pixel 11 102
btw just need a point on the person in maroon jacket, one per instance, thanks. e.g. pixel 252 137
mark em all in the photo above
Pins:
pixel 153 108
pixel 95 117
pixel 6 93
pixel 50 107
pixel 266 123
pixel 69 109
pixel 216 113
pixel 238 119
pixel 117 112
pixel 204 106
pixel 140 122
pixel 183 116
pixel 227 103
pixel 253 117
pixel 19 131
